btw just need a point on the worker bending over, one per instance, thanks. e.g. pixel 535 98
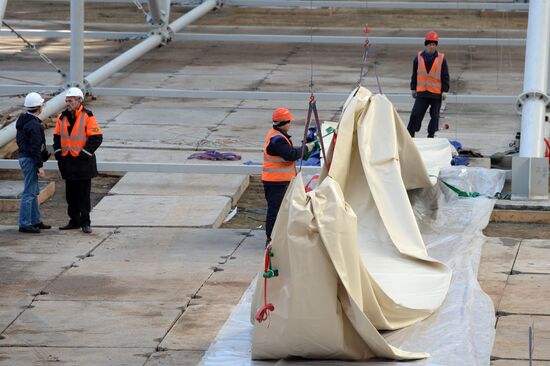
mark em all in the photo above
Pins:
pixel 429 85
pixel 279 166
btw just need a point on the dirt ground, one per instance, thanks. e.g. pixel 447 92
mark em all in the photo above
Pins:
pixel 54 210
pixel 326 17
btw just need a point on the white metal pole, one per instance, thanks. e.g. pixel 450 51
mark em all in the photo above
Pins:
pixel 535 79
pixel 77 43
pixel 3 4
pixel 156 13
pixel 147 45
pixel 55 104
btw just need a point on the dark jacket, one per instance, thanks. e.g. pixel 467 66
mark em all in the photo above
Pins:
pixel 429 61
pixel 82 166
pixel 30 137
pixel 278 146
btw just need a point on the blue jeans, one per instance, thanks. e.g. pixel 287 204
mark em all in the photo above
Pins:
pixel 29 213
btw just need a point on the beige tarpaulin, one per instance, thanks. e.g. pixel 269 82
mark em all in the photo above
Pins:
pixel 350 256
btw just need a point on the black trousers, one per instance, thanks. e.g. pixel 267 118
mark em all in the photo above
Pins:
pixel 274 194
pixel 419 110
pixel 77 193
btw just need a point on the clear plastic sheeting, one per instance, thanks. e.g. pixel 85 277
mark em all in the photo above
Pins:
pixel 461 331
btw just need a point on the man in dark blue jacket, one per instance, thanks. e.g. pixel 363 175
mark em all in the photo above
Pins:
pixel 429 85
pixel 32 152
pixel 279 166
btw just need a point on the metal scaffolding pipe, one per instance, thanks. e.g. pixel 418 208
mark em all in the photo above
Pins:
pixel 454 5
pixel 156 13
pixel 250 95
pixel 77 43
pixel 147 45
pixel 55 104
pixel 3 4
pixel 121 166
pixel 274 38
pixel 534 99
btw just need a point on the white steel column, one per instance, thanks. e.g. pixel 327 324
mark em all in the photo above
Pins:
pixel 535 80
pixel 3 4
pixel 77 43
pixel 160 12
pixel 147 45
pixel 530 169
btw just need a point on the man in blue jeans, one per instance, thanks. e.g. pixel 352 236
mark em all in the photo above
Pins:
pixel 32 152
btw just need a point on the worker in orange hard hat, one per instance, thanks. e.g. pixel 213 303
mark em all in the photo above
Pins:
pixel 279 165
pixel 429 85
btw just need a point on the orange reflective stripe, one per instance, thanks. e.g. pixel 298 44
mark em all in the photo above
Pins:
pixel 73 142
pixel 275 168
pixel 429 81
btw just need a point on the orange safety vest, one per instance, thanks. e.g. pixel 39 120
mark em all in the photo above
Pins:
pixel 84 126
pixel 275 168
pixel 430 82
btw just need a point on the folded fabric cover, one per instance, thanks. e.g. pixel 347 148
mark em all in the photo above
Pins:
pixel 350 258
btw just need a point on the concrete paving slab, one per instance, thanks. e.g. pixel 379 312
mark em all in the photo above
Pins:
pixel 10 308
pixel 197 327
pixel 22 279
pixel 177 136
pixel 53 244
pixel 495 289
pixel 180 184
pixel 197 211
pixel 208 311
pixel 91 324
pixel 40 356
pixel 527 294
pixel 497 259
pixel 512 338
pixel 533 257
pixel 172 116
pixel 95 280
pixel 170 245
pixel 171 358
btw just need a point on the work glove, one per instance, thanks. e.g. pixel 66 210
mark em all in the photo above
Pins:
pixel 443 96
pixel 57 155
pixel 413 93
pixel 312 146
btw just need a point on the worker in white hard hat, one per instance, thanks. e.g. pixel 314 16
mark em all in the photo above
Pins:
pixel 76 138
pixel 32 153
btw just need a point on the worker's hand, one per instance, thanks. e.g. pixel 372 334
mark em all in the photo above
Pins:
pixel 413 93
pixel 57 155
pixel 41 173
pixel 312 146
pixel 443 96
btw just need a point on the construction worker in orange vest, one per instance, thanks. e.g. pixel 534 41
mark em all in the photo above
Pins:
pixel 76 137
pixel 429 85
pixel 279 165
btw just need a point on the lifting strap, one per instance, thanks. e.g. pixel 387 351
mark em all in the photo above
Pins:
pixel 313 110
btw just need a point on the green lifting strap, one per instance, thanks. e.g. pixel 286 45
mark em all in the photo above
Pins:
pixel 498 195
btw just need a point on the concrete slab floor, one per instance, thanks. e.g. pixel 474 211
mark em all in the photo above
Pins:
pixel 40 356
pixel 176 184
pixel 196 211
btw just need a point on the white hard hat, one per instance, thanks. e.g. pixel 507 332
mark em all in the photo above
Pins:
pixel 74 92
pixel 33 100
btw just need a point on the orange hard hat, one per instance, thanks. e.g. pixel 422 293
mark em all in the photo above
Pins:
pixel 281 114
pixel 431 36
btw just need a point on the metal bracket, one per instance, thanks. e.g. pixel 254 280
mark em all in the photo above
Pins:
pixel 533 95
